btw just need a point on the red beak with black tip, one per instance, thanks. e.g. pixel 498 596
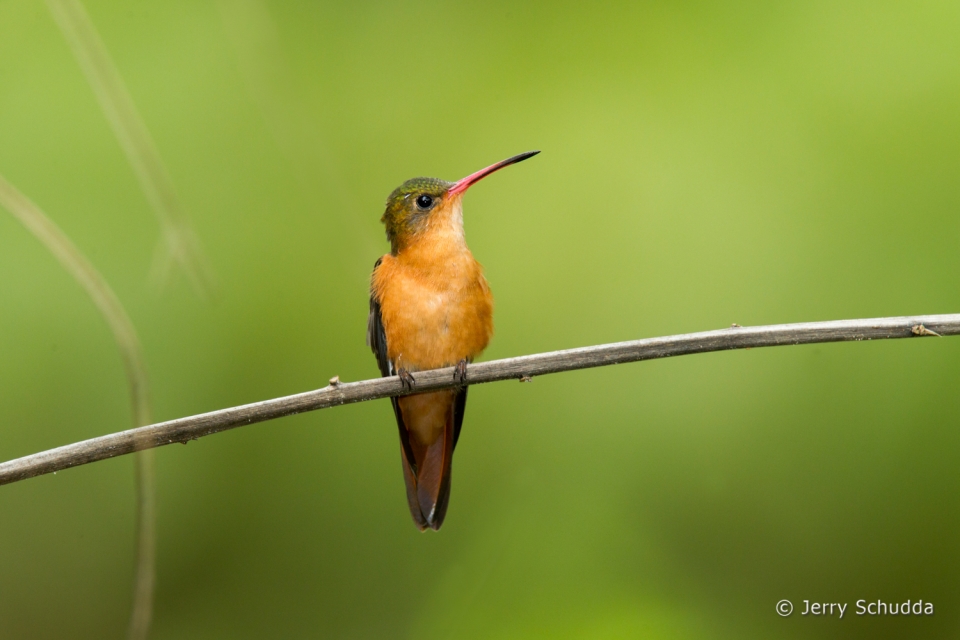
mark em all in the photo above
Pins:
pixel 462 185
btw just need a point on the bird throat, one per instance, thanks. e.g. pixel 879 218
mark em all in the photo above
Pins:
pixel 440 240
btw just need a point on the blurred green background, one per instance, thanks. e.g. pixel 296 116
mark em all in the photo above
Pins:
pixel 703 164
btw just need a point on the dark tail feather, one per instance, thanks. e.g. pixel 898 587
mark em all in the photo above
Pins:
pixel 412 501
pixel 428 483
pixel 433 480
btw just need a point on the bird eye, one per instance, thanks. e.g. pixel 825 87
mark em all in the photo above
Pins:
pixel 424 201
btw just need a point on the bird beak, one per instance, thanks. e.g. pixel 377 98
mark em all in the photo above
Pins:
pixel 462 185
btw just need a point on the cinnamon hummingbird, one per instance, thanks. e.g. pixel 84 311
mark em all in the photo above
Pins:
pixel 430 307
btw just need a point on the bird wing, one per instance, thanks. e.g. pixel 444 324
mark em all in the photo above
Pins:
pixel 376 336
pixel 377 341
pixel 459 406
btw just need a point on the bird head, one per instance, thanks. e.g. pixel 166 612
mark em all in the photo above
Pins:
pixel 419 202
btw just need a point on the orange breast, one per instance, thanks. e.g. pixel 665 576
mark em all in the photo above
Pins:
pixel 435 312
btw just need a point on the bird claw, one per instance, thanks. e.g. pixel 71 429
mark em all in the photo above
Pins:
pixel 460 371
pixel 406 379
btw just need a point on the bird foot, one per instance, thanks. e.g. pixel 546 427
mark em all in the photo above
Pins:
pixel 460 372
pixel 406 379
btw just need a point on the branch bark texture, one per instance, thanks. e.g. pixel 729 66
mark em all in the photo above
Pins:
pixel 520 368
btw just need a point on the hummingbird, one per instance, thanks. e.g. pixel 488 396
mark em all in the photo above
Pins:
pixel 430 307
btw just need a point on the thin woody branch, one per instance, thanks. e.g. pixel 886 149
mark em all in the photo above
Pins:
pixel 520 368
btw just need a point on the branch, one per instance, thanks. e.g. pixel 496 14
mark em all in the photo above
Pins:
pixel 522 368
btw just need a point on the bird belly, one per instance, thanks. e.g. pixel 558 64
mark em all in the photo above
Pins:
pixel 429 326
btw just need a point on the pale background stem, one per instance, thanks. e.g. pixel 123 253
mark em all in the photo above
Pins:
pixel 107 303
pixel 178 237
